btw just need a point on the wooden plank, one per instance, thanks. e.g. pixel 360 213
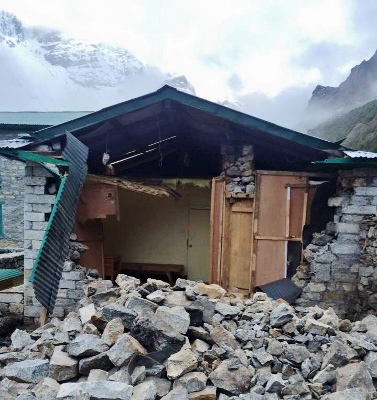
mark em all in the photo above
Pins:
pixel 277 238
pixel 301 173
pixel 225 248
pixel 297 204
pixel 229 195
pixel 216 227
pixel 270 264
pixel 241 237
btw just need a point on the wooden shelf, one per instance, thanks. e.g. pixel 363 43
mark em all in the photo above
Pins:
pixel 229 195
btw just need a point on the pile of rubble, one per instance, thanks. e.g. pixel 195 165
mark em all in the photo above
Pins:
pixel 191 341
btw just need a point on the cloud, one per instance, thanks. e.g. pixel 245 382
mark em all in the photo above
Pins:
pixel 285 109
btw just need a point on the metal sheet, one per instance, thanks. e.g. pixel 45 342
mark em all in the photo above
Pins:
pixel 54 249
pixel 282 289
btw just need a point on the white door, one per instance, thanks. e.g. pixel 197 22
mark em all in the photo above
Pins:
pixel 198 245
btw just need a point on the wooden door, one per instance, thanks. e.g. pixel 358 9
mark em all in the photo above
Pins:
pixel 198 245
pixel 231 237
pixel 240 243
pixel 280 214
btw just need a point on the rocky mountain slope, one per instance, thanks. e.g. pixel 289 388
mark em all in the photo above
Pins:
pixel 358 128
pixel 359 88
pixel 42 70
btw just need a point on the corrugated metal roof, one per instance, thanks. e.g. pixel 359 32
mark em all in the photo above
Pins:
pixel 13 143
pixel 360 154
pixel 37 118
pixel 169 93
pixel 54 249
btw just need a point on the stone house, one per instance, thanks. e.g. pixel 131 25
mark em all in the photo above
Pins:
pixel 172 183
pixel 15 130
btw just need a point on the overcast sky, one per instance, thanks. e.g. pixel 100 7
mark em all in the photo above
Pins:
pixel 267 54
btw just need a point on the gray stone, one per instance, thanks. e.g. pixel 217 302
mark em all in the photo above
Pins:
pixel 116 310
pixel 192 381
pixel 114 329
pixel 47 389
pixel 235 382
pixel 295 353
pixel 106 390
pixel 208 393
pixel 62 366
pixel 371 361
pixel 157 296
pixel 126 282
pixel 354 394
pixel 180 363
pixel 145 391
pixel 32 371
pixel 221 336
pixel 140 305
pixel 155 334
pixel 99 361
pixel 327 375
pixel 354 375
pixel 97 375
pixel 338 354
pixel 226 309
pixel 86 345
pixel 86 313
pixel 138 375
pixel 280 315
pixel 163 386
pixel 275 383
pixel 21 339
pixel 124 348
pixel 177 317
pixel 178 393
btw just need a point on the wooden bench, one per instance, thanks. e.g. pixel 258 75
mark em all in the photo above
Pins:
pixel 146 268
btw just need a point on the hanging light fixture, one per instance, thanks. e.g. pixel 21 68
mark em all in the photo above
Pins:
pixel 106 155
pixel 105 158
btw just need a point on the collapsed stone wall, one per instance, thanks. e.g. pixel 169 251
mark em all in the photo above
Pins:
pixel 339 272
pixel 238 168
pixel 192 341
pixel 11 202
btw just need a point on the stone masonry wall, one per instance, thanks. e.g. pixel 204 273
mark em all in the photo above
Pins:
pixel 38 206
pixel 338 273
pixel 12 260
pixel 238 168
pixel 12 202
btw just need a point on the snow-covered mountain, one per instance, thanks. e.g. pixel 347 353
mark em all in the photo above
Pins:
pixel 41 70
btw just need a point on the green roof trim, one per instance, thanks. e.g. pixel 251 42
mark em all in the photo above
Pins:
pixel 169 93
pixel 345 163
pixel 22 155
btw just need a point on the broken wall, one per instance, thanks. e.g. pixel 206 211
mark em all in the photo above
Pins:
pixel 341 271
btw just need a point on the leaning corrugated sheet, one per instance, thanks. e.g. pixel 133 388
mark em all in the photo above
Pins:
pixel 54 249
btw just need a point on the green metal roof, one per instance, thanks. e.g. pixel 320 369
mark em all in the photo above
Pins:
pixel 25 119
pixel 9 273
pixel 169 93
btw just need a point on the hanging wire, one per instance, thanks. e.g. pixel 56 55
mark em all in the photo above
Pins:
pixel 160 161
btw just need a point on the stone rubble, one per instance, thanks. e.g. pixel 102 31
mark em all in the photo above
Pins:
pixel 191 341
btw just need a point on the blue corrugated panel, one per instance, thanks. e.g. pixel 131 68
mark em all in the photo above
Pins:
pixel 49 264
